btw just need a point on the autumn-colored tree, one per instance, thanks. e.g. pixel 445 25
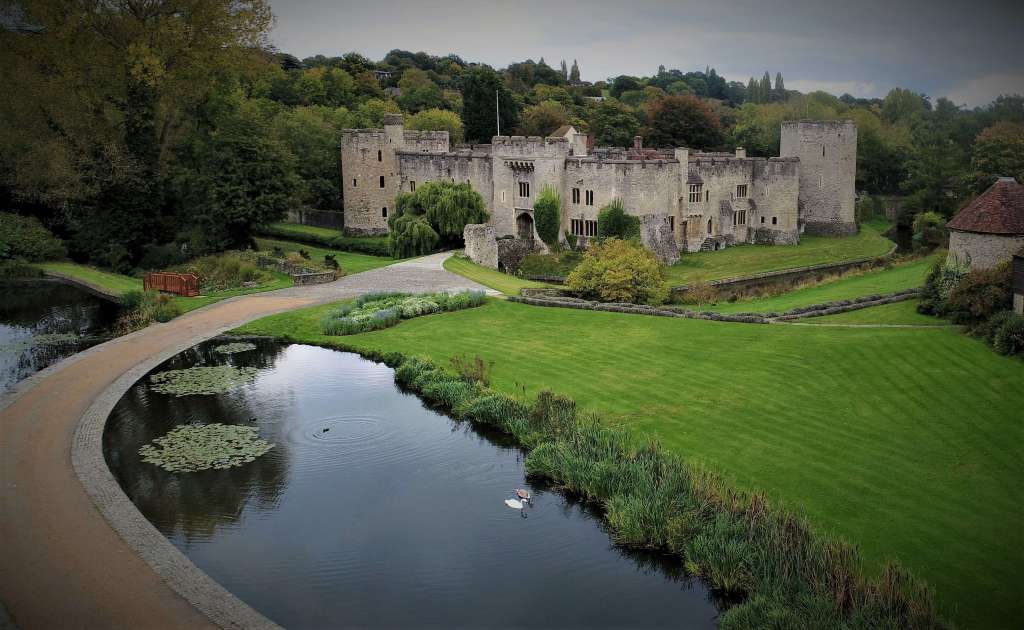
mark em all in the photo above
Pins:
pixel 682 121
pixel 543 118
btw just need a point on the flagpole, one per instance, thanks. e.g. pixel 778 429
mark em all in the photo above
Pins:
pixel 497 113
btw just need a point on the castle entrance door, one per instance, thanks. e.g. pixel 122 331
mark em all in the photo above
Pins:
pixel 524 226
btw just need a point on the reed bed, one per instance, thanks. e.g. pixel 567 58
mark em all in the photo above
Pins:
pixel 768 559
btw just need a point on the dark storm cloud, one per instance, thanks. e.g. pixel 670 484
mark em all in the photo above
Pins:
pixel 969 51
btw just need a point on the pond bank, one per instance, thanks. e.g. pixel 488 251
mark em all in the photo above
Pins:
pixel 117 570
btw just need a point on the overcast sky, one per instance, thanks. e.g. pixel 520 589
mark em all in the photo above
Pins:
pixel 969 51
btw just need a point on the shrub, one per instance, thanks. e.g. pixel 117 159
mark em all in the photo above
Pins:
pixel 619 271
pixel 18 269
pixel 547 213
pixel 550 265
pixel 700 292
pixel 142 307
pixel 979 295
pixel 474 370
pixel 945 274
pixel 1009 337
pixel 227 270
pixel 382 309
pixel 25 238
pixel 613 222
pixel 929 231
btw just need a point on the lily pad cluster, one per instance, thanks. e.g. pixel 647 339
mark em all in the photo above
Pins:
pixel 194 447
pixel 215 379
pixel 235 348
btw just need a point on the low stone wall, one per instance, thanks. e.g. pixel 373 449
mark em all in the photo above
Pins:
pixel 512 251
pixel 557 298
pixel 320 277
pixel 481 246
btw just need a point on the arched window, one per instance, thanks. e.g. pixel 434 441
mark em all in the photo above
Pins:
pixel 709 227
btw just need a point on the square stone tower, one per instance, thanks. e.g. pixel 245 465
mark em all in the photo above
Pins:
pixel 828 168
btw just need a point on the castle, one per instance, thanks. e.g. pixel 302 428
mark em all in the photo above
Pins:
pixel 708 200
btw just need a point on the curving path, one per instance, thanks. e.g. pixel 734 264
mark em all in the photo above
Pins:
pixel 75 552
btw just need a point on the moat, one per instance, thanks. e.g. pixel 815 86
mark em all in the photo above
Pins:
pixel 374 510
pixel 42 322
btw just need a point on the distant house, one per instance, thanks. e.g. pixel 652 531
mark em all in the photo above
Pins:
pixel 989 230
pixel 595 99
pixel 382 74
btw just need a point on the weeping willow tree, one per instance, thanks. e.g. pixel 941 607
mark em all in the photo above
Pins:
pixel 435 214
pixel 411 235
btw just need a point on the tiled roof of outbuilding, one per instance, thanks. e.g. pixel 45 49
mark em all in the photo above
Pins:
pixel 998 210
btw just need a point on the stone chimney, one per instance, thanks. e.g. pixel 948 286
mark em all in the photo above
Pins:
pixel 638 143
pixel 394 130
pixel 741 152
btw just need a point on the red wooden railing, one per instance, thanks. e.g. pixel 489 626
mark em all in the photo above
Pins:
pixel 185 284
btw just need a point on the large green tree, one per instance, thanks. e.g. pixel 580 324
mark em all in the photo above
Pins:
pixel 543 118
pixel 106 90
pixel 482 90
pixel 614 124
pixel 998 151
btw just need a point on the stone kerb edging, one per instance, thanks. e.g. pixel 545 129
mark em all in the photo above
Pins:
pixel 218 604
pixel 815 310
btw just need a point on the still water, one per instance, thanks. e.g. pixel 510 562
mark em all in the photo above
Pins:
pixel 373 510
pixel 41 322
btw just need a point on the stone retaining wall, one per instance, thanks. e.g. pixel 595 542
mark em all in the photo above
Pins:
pixel 554 298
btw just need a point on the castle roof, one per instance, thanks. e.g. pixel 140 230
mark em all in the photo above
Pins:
pixel 998 210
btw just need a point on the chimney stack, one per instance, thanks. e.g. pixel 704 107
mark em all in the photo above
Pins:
pixel 741 152
pixel 638 143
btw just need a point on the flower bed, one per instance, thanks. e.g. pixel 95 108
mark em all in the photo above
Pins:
pixel 374 311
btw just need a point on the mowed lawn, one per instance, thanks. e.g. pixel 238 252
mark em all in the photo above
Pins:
pixel 351 262
pixel 908 275
pixel 898 314
pixel 906 441
pixel 744 260
pixel 506 283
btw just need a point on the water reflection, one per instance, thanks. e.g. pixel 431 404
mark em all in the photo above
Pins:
pixel 41 322
pixel 373 510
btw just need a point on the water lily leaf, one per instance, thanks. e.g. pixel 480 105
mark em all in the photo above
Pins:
pixel 201 380
pixel 235 348
pixel 194 447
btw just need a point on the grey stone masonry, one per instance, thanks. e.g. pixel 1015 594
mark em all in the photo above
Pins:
pixel 481 246
pixel 828 168
pixel 656 235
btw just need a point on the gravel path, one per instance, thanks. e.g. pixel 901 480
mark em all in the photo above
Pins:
pixel 76 552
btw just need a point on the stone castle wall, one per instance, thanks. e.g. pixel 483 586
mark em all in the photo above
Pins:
pixel 828 167
pixel 983 250
pixel 802 190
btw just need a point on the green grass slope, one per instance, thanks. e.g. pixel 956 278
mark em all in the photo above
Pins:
pixel 507 284
pixel 744 260
pixel 907 441
pixel 879 281
pixel 898 314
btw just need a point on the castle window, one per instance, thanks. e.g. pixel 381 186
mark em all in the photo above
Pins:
pixel 766 191
pixel 382 181
pixel 503 196
pixel 742 220
pixel 672 224
pixel 412 186
pixel 576 225
pixel 822 150
pixel 775 220
pixel 384 212
pixel 353 182
pixel 821 181
pixel 695 192
pixel 762 220
pixel 590 227
pixel 524 189
pixel 576 196
pixel 380 156
pixel 707 195
pixel 590 197
pixel 741 191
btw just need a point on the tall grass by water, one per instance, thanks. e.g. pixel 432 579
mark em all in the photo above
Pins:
pixel 767 558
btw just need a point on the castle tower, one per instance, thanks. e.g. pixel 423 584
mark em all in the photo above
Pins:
pixel 828 167
pixel 369 175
